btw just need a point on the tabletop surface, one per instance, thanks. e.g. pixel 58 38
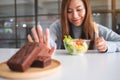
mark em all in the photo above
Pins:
pixel 89 66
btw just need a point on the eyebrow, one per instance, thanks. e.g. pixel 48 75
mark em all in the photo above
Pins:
pixel 78 6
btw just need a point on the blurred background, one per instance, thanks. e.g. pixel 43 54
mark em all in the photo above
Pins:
pixel 17 17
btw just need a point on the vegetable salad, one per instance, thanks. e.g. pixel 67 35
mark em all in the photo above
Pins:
pixel 75 46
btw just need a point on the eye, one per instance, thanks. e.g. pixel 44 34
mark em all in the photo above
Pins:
pixel 69 11
pixel 79 9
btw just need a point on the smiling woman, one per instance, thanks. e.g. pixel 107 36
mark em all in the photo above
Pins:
pixel 76 21
pixel 47 11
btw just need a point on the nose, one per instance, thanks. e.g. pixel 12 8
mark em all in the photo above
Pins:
pixel 75 14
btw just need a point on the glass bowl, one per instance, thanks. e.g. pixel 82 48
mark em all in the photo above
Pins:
pixel 76 46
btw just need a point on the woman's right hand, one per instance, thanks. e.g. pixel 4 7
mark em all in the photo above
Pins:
pixel 101 44
pixel 46 50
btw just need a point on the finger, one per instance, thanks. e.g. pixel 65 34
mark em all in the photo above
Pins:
pixel 99 39
pixel 29 38
pixel 40 32
pixel 101 47
pixel 47 37
pixel 52 50
pixel 34 32
pixel 101 43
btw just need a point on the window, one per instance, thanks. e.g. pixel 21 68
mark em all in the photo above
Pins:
pixel 17 17
pixel 101 4
pixel 105 13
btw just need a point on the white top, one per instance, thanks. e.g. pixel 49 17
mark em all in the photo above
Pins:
pixel 90 66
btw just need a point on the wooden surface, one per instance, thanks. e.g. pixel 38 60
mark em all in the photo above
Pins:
pixel 30 73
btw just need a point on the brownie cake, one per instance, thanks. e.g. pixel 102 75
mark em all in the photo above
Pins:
pixel 23 58
pixel 42 61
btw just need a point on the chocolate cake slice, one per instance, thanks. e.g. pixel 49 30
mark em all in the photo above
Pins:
pixel 23 58
pixel 42 61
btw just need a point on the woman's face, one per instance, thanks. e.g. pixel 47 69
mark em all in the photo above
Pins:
pixel 76 12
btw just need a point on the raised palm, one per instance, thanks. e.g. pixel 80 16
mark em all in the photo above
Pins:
pixel 38 36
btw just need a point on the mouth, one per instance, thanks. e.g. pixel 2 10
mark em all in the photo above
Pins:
pixel 76 21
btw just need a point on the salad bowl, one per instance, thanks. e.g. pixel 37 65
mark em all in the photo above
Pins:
pixel 75 46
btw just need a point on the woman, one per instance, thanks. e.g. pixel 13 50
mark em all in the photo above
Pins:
pixel 76 21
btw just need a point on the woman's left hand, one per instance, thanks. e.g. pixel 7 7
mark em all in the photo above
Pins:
pixel 101 44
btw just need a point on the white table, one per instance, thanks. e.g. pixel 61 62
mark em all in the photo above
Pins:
pixel 90 66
